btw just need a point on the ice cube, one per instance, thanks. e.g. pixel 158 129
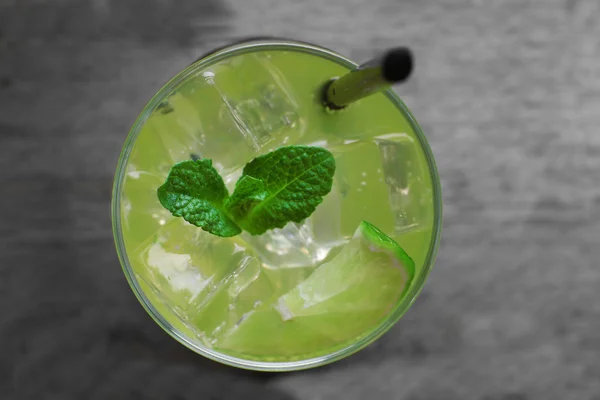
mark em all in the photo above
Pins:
pixel 291 246
pixel 169 137
pixel 383 179
pixel 326 222
pixel 361 184
pixel 184 266
pixel 245 275
pixel 410 196
pixel 300 245
pixel 246 108
pixel 236 296
pixel 141 212
pixel 178 270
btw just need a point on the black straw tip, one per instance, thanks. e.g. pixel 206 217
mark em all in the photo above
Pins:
pixel 325 96
pixel 397 65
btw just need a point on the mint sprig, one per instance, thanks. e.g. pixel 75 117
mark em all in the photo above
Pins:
pixel 282 186
pixel 274 189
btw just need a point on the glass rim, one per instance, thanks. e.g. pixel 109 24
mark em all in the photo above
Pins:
pixel 194 345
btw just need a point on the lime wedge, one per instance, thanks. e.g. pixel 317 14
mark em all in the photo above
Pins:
pixel 343 299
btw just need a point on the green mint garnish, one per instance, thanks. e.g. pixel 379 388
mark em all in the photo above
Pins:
pixel 195 191
pixel 283 186
pixel 248 193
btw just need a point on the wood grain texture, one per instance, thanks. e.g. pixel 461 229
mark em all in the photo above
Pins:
pixel 508 93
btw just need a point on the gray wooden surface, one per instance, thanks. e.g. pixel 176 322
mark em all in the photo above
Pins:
pixel 508 93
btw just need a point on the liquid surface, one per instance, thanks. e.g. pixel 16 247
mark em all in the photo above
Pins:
pixel 233 295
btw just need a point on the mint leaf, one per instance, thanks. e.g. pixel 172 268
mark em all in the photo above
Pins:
pixel 283 186
pixel 195 191
pixel 248 193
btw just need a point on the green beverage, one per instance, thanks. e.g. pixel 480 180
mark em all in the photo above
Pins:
pixel 311 291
